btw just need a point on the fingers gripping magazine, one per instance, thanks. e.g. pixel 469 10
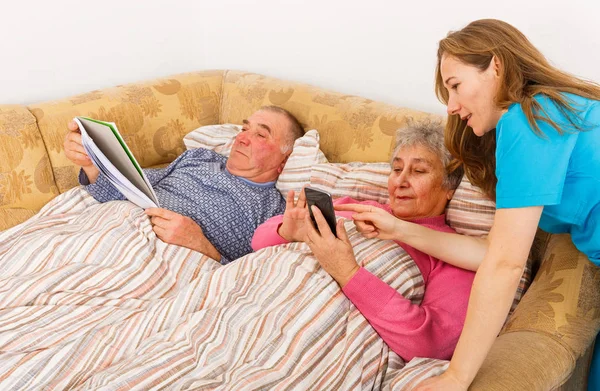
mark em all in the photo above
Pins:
pixel 109 153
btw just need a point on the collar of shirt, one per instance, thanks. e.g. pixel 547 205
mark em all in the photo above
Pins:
pixel 251 183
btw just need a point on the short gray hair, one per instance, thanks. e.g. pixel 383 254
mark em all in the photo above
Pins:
pixel 429 133
pixel 295 131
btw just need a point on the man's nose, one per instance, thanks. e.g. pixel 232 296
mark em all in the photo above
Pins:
pixel 243 138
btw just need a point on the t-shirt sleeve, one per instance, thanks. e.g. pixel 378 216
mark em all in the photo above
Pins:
pixel 531 168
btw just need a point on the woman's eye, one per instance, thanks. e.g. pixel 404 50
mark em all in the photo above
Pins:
pixel 262 135
pixel 455 86
pixel 420 171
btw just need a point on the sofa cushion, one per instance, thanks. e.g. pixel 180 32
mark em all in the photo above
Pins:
pixel 26 180
pixel 152 116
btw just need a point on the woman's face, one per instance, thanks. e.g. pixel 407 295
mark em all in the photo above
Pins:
pixel 415 184
pixel 471 93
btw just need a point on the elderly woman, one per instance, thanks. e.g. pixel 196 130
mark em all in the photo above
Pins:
pixel 419 188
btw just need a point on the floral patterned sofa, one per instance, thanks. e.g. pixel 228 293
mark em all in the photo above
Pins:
pixel 545 344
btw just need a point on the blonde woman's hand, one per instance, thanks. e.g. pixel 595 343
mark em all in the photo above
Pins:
pixel 373 222
pixel 446 381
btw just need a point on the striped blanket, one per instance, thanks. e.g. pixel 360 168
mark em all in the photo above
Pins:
pixel 91 299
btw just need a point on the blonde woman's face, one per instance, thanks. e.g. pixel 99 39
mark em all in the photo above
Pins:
pixel 471 93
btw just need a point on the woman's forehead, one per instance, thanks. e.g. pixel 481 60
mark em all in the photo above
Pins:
pixel 417 153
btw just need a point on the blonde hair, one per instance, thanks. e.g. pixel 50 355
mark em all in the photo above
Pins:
pixel 524 73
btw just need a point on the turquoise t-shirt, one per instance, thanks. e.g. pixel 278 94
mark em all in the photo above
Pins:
pixel 559 172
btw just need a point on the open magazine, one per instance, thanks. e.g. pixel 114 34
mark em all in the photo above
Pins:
pixel 109 153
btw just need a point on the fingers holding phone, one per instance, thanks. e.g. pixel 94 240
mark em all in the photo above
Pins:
pixel 333 252
pixel 322 200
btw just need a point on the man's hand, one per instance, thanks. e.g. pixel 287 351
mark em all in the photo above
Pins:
pixel 76 153
pixel 373 222
pixel 292 228
pixel 173 228
pixel 335 254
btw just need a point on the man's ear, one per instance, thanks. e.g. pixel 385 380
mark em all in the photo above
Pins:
pixel 280 168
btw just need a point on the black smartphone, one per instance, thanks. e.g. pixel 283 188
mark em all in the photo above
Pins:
pixel 323 201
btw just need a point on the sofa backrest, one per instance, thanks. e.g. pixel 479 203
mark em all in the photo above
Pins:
pixel 351 128
pixel 153 116
pixel 26 178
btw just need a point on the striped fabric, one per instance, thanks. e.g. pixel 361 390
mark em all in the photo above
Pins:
pixel 90 299
pixel 470 211
pixel 361 181
pixel 218 138
pixel 296 172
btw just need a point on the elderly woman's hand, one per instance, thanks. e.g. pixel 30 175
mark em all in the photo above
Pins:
pixel 335 254
pixel 373 222
pixel 292 228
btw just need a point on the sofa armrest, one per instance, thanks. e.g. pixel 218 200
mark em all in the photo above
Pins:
pixel 552 327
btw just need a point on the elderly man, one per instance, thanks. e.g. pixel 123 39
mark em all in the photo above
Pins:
pixel 212 203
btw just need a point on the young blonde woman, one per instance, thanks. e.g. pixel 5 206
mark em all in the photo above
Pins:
pixel 529 135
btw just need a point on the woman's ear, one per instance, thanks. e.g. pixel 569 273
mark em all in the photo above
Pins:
pixel 450 194
pixel 497 65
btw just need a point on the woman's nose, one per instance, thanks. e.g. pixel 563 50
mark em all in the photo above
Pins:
pixel 453 107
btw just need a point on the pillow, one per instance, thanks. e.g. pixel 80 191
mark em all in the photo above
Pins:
pixel 218 138
pixel 361 181
pixel 469 212
pixel 297 169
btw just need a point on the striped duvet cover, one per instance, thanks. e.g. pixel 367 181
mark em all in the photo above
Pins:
pixel 90 299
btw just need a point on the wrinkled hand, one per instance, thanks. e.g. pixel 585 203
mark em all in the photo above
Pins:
pixel 173 228
pixel 293 228
pixel 373 222
pixel 446 381
pixel 75 152
pixel 333 253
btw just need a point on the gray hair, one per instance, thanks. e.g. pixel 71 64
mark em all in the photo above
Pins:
pixel 429 133
pixel 295 131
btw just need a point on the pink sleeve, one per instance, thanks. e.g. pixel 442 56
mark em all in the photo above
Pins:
pixel 266 234
pixel 427 330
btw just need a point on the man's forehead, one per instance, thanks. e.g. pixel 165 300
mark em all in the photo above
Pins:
pixel 269 120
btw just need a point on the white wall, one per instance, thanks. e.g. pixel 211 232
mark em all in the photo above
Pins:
pixel 383 50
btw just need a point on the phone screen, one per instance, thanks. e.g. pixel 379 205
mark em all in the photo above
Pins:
pixel 323 201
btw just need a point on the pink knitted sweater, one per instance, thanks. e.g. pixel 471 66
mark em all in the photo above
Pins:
pixel 430 329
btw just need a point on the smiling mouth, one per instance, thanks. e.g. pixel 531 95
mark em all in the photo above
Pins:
pixel 466 117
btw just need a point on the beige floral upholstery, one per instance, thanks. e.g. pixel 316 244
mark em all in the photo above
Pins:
pixel 351 128
pixel 26 180
pixel 152 116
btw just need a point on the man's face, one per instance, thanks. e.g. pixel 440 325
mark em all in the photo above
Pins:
pixel 256 153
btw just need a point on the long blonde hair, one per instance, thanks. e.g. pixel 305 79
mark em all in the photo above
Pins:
pixel 524 72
